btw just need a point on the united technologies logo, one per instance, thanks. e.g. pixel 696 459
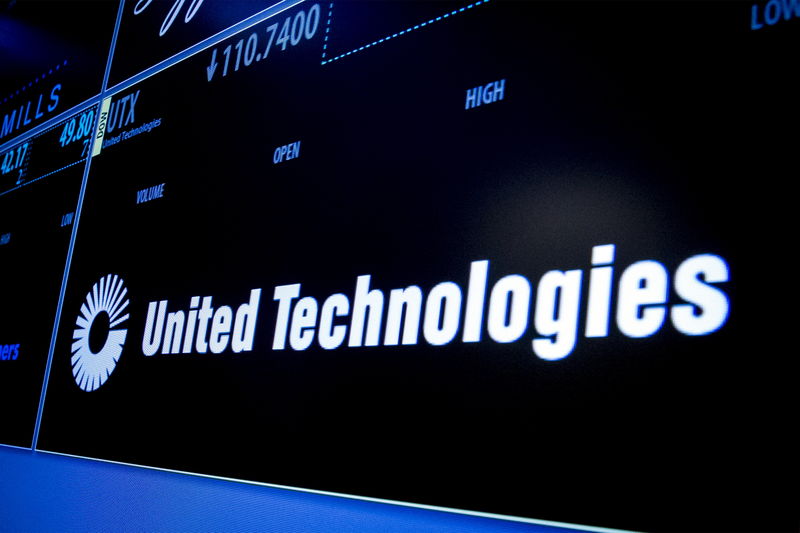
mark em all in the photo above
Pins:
pixel 97 345
pixel 552 313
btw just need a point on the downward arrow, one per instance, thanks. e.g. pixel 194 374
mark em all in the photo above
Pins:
pixel 213 66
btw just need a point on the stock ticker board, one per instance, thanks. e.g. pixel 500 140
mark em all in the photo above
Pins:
pixel 522 258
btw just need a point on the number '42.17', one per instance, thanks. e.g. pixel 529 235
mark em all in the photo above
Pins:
pixel 14 159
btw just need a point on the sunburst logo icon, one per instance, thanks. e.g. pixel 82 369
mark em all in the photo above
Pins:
pixel 97 345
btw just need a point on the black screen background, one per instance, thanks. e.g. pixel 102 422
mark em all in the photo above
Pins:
pixel 644 125
pixel 33 264
pixel 49 43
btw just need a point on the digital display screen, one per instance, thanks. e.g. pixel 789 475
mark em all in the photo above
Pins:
pixel 503 257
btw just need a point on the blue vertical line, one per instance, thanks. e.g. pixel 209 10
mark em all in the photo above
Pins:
pixel 113 47
pixel 61 293
pixel 327 31
pixel 74 233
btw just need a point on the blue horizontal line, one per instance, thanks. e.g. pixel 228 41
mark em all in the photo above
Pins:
pixel 54 126
pixel 83 160
pixel 207 43
pixel 403 32
pixel 49 123
pixel 16 447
